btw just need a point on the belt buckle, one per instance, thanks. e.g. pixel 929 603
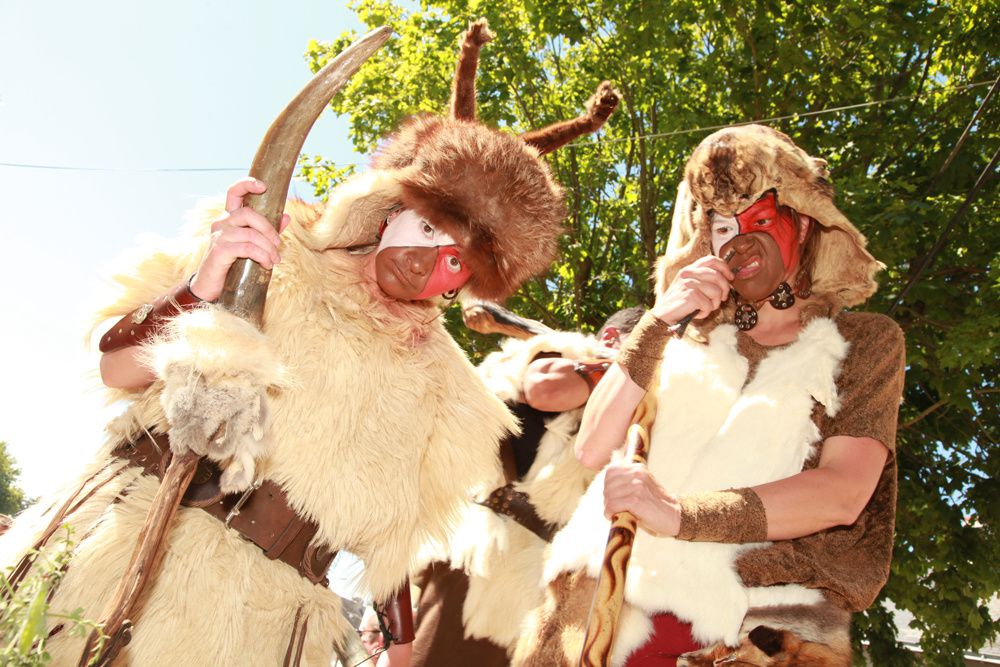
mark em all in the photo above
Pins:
pixel 235 511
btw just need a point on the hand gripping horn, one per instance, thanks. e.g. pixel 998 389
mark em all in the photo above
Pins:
pixel 245 289
pixel 244 295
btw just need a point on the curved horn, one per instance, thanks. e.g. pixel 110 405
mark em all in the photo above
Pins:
pixel 463 91
pixel 246 284
pixel 599 108
pixel 243 294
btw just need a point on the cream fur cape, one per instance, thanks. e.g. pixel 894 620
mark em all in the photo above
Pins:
pixel 372 420
pixel 712 432
pixel 502 558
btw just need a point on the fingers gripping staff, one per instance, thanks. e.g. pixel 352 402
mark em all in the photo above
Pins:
pixel 244 294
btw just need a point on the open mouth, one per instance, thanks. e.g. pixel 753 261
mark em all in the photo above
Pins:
pixel 748 267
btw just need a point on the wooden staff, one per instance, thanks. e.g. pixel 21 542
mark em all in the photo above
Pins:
pixel 609 597
pixel 244 295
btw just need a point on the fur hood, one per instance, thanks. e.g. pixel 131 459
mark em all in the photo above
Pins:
pixel 730 170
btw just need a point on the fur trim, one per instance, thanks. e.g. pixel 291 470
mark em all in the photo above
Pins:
pixel 216 369
pixel 730 170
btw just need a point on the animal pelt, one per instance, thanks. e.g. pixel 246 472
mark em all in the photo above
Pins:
pixel 712 432
pixel 487 188
pixel 366 399
pixel 217 369
pixel 792 636
pixel 729 171
pixel 502 559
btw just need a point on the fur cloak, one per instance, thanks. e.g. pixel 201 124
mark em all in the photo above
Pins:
pixel 502 559
pixel 369 417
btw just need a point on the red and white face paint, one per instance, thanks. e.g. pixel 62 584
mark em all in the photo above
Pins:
pixel 763 216
pixel 404 228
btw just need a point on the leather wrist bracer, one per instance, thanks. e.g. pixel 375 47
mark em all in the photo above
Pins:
pixel 643 349
pixel 734 516
pixel 147 319
pixel 398 614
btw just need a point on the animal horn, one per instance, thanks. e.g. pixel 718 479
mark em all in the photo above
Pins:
pixel 599 108
pixel 246 284
pixel 244 294
pixel 463 92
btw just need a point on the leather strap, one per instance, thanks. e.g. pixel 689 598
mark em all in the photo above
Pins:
pixel 507 501
pixel 592 371
pixel 147 319
pixel 261 515
pixel 398 613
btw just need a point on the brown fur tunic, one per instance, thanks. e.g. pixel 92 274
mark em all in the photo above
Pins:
pixel 850 563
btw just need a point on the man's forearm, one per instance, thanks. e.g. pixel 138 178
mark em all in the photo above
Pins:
pixel 607 417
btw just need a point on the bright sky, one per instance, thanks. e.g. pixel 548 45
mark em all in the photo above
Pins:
pixel 128 87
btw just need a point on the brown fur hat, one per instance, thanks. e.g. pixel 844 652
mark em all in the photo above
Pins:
pixel 729 171
pixel 488 189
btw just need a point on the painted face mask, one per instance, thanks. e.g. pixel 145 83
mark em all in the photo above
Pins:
pixel 763 216
pixel 404 228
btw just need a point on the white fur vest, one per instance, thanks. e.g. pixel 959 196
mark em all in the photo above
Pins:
pixel 714 430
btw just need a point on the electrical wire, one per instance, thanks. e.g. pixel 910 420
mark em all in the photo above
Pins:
pixel 579 144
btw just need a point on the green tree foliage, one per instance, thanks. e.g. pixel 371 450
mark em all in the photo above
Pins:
pixel 12 498
pixel 907 69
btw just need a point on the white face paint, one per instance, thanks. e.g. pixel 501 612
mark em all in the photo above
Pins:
pixel 407 229
pixel 724 229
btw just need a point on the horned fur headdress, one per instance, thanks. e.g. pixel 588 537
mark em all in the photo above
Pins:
pixel 729 171
pixel 490 190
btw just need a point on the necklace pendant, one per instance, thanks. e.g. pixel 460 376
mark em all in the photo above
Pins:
pixel 782 297
pixel 746 317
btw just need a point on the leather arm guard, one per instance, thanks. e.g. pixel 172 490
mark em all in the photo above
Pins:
pixel 147 319
pixel 398 614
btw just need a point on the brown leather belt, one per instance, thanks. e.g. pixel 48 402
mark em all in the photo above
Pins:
pixel 507 501
pixel 261 515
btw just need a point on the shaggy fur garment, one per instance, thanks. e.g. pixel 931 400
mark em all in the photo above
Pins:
pixel 712 432
pixel 502 559
pixel 792 636
pixel 376 426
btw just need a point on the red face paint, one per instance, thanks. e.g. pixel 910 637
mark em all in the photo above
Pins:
pixel 406 229
pixel 763 216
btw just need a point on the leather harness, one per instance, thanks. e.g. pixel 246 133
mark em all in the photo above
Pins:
pixel 260 515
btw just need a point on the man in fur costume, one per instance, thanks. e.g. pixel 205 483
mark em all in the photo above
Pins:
pixel 481 584
pixel 351 420
pixel 767 506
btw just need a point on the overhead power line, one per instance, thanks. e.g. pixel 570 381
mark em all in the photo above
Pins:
pixel 594 142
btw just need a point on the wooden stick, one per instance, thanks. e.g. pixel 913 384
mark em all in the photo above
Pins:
pixel 609 597
pixel 488 317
